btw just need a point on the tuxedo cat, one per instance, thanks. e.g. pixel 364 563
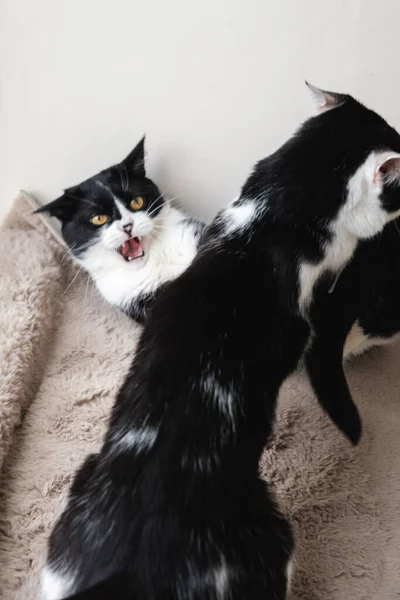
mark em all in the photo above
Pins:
pixel 125 235
pixel 119 228
pixel 172 506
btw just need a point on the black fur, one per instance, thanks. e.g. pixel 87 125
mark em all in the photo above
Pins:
pixel 139 308
pixel 368 290
pixel 380 316
pixel 183 500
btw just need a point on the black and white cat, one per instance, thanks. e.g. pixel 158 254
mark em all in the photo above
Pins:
pixel 125 235
pixel 132 249
pixel 172 507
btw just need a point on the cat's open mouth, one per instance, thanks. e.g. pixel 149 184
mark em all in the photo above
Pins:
pixel 131 249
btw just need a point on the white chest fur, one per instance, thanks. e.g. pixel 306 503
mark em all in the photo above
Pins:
pixel 337 253
pixel 169 249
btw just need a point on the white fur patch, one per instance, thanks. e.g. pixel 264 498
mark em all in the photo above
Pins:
pixel 169 247
pixel 363 212
pixel 138 439
pixel 239 216
pixel 289 576
pixel 221 575
pixel 337 254
pixel 362 216
pixel 222 397
pixel 358 342
pixel 224 401
pixel 55 586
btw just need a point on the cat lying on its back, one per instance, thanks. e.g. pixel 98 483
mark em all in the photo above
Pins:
pixel 121 230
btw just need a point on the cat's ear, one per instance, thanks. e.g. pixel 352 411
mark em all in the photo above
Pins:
pixel 387 167
pixel 325 101
pixel 135 161
pixel 61 208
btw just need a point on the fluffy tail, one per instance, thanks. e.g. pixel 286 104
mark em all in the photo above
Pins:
pixel 324 364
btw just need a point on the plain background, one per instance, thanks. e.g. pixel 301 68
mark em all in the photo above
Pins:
pixel 215 84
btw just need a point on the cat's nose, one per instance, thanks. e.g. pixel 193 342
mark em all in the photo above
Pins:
pixel 128 228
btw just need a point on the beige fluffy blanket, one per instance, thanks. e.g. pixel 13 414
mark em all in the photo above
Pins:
pixel 63 354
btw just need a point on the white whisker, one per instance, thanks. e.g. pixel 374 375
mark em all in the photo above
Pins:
pixel 166 202
pixel 154 201
pixel 75 276
pixel 86 288
pixel 69 253
pixel 176 197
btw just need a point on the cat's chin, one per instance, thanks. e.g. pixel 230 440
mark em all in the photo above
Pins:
pixel 131 249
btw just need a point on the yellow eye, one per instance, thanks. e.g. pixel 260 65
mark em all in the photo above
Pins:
pixel 136 203
pixel 99 220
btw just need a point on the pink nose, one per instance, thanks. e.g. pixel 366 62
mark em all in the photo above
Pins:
pixel 128 228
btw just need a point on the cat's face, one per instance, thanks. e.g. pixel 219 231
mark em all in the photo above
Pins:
pixel 112 216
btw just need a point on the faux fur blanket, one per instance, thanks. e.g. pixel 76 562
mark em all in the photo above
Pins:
pixel 63 354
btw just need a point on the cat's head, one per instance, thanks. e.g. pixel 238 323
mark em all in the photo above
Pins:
pixel 111 216
pixel 341 167
pixel 366 151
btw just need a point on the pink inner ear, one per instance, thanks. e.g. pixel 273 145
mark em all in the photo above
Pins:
pixel 390 167
pixel 387 167
pixel 330 101
pixel 324 100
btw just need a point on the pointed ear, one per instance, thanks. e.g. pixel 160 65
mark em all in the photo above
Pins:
pixel 60 208
pixel 325 101
pixel 135 161
pixel 387 167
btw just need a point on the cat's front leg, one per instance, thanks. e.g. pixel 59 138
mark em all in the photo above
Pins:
pixel 324 365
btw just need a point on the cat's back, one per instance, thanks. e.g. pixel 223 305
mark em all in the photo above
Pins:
pixel 229 298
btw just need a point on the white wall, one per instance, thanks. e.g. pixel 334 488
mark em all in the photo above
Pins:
pixel 216 84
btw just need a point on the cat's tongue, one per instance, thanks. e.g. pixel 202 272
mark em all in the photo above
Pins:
pixel 131 249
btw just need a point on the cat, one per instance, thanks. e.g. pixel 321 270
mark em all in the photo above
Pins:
pixel 125 235
pixel 172 507
pixel 129 272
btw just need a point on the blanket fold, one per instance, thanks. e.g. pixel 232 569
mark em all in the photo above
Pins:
pixel 30 288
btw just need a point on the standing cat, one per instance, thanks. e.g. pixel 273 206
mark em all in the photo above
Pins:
pixel 172 507
pixel 125 235
pixel 131 250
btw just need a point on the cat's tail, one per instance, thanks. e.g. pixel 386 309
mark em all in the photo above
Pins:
pixel 324 364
